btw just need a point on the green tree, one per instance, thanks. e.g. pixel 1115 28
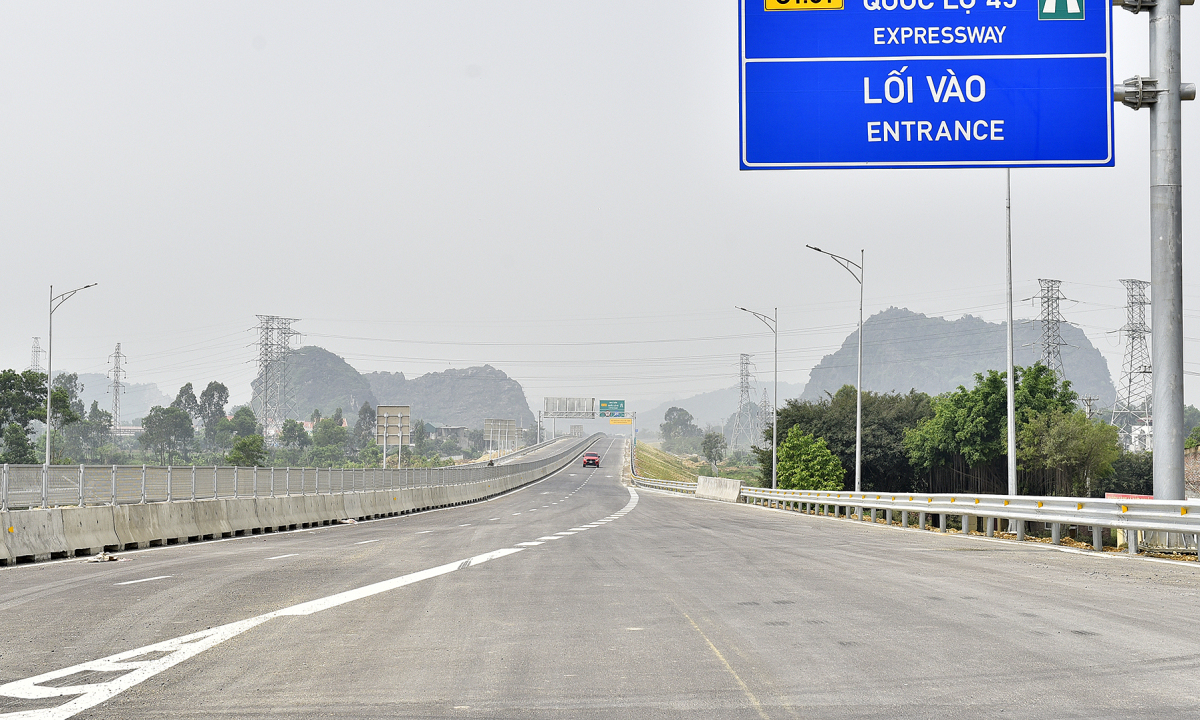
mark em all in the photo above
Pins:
pixel 315 417
pixel 365 427
pixel 293 435
pixel 1193 438
pixel 212 410
pixel 1133 474
pixel 805 463
pixel 22 397
pixel 244 423
pixel 18 449
pixel 69 384
pixel 329 444
pixel 371 455
pixel 886 419
pixel 713 448
pixel 1071 443
pixel 973 423
pixel 186 401
pixel 677 428
pixel 248 452
pixel 167 431
pixel 419 436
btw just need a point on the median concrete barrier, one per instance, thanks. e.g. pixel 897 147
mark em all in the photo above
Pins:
pixel 242 515
pixel 33 535
pixel 717 488
pixel 353 505
pixel 209 519
pixel 137 526
pixel 6 557
pixel 89 530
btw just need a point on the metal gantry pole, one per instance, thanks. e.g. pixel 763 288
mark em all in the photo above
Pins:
pixel 1166 250
pixel 858 414
pixel 1012 422
pixel 775 410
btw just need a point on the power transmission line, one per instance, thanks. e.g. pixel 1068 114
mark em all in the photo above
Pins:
pixel 274 397
pixel 1050 319
pixel 116 387
pixel 744 433
pixel 1133 407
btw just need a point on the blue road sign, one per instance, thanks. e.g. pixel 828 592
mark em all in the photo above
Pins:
pixel 925 83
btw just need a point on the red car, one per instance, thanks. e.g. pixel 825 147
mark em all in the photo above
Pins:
pixel 591 458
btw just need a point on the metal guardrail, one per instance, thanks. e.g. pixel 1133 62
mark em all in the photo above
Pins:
pixel 670 485
pixel 1175 518
pixel 39 486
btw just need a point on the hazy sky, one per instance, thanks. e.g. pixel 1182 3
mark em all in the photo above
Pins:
pixel 552 188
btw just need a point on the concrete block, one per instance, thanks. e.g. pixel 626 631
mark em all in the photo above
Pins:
pixel 34 534
pixel 271 513
pixel 89 530
pixel 242 515
pixel 138 526
pixel 209 518
pixel 715 488
pixel 352 505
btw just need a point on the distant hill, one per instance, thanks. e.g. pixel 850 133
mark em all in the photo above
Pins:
pixel 456 397
pixel 905 350
pixel 325 381
pixel 712 408
pixel 136 401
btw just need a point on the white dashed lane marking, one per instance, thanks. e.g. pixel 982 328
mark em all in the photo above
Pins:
pixel 135 582
pixel 365 542
pixel 280 557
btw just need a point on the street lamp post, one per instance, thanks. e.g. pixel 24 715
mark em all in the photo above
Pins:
pixel 849 265
pixel 55 301
pixel 772 323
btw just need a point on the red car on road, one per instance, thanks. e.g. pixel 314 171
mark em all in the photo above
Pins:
pixel 591 458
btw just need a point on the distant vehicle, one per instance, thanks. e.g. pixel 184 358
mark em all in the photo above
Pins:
pixel 592 459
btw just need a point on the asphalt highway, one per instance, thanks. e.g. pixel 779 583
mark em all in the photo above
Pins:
pixel 577 597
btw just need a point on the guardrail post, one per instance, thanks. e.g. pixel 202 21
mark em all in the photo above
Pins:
pixel 4 488
pixel 287 481
pixel 1020 529
pixel 143 500
pixel 235 482
pixel 874 517
pixel 1098 538
pixel 1132 539
pixel 254 482
pixel 887 516
pixel 966 525
pixel 169 496
pixel 1056 533
pixel 990 526
pixel 921 520
pixel 193 482
pixel 81 486
pixel 943 522
pixel 904 519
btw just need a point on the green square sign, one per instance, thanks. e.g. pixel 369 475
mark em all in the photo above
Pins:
pixel 1060 9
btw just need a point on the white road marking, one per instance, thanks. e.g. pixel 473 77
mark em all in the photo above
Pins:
pixel 280 557
pixel 364 542
pixel 465 525
pixel 578 529
pixel 490 519
pixel 89 695
pixel 177 650
pixel 564 533
pixel 550 537
pixel 422 532
pixel 135 582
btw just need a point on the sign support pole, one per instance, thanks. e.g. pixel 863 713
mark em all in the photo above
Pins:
pixel 1166 251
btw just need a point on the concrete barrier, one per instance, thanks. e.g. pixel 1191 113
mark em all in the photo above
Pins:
pixel 242 516
pixel 717 488
pixel 32 535
pixel 210 518
pixel 89 530
pixel 6 557
pixel 137 526
pixel 352 505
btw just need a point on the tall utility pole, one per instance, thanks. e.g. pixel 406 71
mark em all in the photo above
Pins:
pixel 765 411
pixel 35 355
pixel 850 266
pixel 772 322
pixel 743 434
pixel 1134 395
pixel 1050 319
pixel 116 387
pixel 1162 92
pixel 273 395
pixel 55 302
